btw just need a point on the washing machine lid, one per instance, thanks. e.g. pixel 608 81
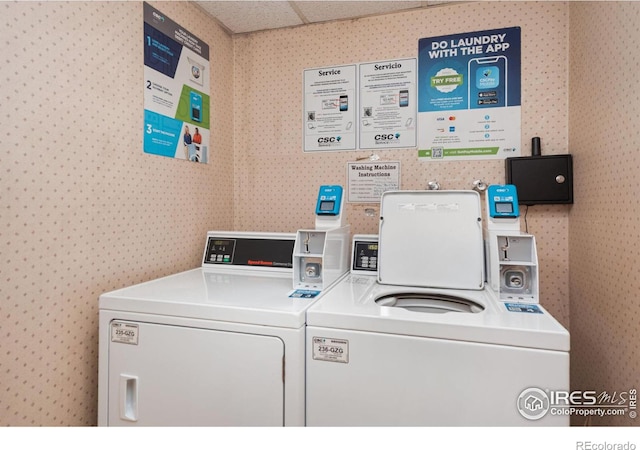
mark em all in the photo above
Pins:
pixel 431 239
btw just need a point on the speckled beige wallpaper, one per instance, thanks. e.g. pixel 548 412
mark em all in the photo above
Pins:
pixel 82 209
pixel 604 231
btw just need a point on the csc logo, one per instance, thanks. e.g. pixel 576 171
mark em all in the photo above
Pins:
pixel 386 137
pixel 326 140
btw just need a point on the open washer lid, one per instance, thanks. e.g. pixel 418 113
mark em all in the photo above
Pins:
pixel 431 239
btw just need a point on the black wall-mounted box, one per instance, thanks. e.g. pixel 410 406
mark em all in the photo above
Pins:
pixel 541 179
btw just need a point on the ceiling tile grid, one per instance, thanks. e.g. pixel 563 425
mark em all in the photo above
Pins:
pixel 239 17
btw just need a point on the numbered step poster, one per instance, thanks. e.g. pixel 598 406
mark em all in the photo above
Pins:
pixel 469 96
pixel 176 90
pixel 388 104
pixel 330 109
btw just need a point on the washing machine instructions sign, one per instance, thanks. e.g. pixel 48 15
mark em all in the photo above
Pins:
pixel 367 181
pixel 124 332
pixel 332 350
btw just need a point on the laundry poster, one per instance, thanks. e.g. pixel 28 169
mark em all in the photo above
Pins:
pixel 469 96
pixel 176 90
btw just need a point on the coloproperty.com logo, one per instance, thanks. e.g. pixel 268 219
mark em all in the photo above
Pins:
pixel 535 403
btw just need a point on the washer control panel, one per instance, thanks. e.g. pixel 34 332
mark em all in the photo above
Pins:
pixel 365 254
pixel 220 250
pixel 267 252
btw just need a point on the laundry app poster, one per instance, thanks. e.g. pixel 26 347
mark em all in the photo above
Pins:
pixel 469 96
pixel 176 90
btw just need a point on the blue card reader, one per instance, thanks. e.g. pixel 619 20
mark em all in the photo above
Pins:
pixel 503 201
pixel 329 201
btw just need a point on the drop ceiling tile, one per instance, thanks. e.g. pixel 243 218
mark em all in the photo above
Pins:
pixel 322 11
pixel 248 16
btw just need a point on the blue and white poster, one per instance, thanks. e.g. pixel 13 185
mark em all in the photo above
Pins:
pixel 176 90
pixel 469 96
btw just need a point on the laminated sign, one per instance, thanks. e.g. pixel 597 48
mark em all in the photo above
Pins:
pixel 176 90
pixel 469 96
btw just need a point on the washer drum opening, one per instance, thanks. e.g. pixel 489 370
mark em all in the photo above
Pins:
pixel 430 303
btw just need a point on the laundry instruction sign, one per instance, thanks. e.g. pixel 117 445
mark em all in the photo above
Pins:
pixel 367 181
pixel 176 90
pixel 469 95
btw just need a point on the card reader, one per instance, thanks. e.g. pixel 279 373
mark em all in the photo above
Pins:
pixel 503 201
pixel 329 201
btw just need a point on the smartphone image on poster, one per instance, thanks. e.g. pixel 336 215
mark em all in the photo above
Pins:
pixel 344 103
pixel 487 86
pixel 404 98
pixel 196 107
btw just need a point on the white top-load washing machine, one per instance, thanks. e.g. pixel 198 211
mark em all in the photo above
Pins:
pixel 218 345
pixel 413 337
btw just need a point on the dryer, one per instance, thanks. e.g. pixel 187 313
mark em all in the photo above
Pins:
pixel 222 344
pixel 413 337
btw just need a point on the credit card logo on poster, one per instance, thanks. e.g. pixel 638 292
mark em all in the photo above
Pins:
pixel 474 80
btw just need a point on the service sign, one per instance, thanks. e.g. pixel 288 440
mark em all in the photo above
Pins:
pixel 388 104
pixel 469 96
pixel 330 109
